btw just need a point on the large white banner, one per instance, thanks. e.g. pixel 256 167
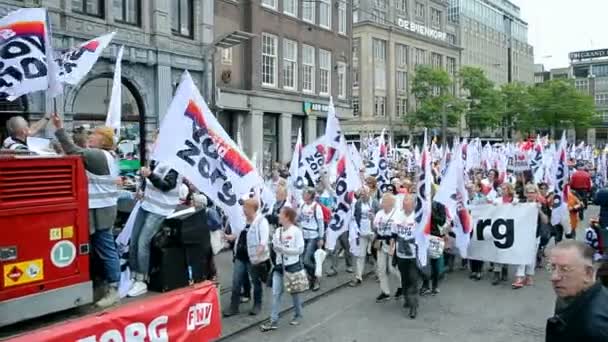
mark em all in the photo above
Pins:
pixel 313 159
pixel 504 233
pixel 193 142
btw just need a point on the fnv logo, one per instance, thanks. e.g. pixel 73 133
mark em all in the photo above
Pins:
pixel 199 316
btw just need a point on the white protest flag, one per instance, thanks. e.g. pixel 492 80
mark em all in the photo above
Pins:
pixel 536 161
pixel 382 176
pixel 76 63
pixel 560 185
pixel 356 156
pixel 313 157
pixel 193 142
pixel 373 151
pixel 423 205
pixel 295 182
pixel 115 107
pixel 332 134
pixel 23 44
pixel 453 195
pixel 347 182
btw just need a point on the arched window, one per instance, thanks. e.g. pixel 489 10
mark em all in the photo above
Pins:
pixel 90 110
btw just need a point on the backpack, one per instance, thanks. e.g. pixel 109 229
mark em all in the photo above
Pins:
pixel 326 213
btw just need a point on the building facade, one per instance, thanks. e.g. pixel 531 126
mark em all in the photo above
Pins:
pixel 391 38
pixel 540 74
pixel 589 69
pixel 494 38
pixel 161 38
pixel 280 81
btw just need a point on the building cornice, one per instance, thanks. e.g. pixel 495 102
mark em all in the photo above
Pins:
pixel 394 29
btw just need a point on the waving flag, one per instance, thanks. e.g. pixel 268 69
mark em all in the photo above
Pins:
pixel 356 156
pixel 382 176
pixel 347 182
pixel 536 162
pixel 295 182
pixel 453 195
pixel 194 143
pixel 560 184
pixel 76 63
pixel 115 108
pixel 332 134
pixel 423 203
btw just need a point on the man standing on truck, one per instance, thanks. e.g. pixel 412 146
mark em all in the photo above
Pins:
pixel 18 131
pixel 102 175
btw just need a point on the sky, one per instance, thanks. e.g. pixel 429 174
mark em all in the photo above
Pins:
pixel 558 27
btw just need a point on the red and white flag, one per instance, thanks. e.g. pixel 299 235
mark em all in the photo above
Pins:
pixel 76 63
pixel 194 143
pixel 536 161
pixel 560 184
pixel 453 195
pixel 295 182
pixel 423 203
pixel 332 134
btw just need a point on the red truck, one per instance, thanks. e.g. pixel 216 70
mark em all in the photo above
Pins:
pixel 44 238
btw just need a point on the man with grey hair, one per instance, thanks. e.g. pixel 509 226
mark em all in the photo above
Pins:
pixel 18 130
pixel 581 311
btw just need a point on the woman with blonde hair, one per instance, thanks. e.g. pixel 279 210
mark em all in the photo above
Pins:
pixel 383 222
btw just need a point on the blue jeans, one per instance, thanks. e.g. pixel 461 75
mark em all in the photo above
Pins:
pixel 104 246
pixel 240 270
pixel 310 247
pixel 146 225
pixel 277 293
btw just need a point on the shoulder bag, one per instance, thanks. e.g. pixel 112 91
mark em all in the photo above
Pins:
pixel 294 276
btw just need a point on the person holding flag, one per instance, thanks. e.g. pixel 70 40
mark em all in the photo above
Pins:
pixel 383 226
pixel 310 220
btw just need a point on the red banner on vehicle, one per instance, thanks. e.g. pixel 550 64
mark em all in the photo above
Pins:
pixel 191 314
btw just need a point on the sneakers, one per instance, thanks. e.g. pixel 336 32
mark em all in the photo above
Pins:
pixel 435 291
pixel 518 284
pixel 269 326
pixel 316 285
pixel 355 283
pixel 399 293
pixel 413 311
pixel 245 300
pixel 349 270
pixel 383 297
pixel 230 313
pixel 255 310
pixel 294 321
pixel 111 297
pixel 497 279
pixel 529 281
pixel 425 291
pixel 137 289
pixel 332 272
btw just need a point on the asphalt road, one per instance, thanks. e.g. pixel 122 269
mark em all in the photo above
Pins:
pixel 465 310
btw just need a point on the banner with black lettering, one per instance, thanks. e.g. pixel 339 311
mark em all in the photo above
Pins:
pixel 194 143
pixel 79 60
pixel 504 233
pixel 313 159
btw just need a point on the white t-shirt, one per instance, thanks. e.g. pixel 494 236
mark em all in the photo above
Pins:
pixel 310 219
pixel 365 225
pixel 292 242
pixel 382 223
pixel 403 227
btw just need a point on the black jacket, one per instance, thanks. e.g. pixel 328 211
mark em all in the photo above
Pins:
pixel 586 319
pixel 601 199
pixel 373 203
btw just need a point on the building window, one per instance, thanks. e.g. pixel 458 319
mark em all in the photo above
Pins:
pixel 324 72
pixel 127 11
pixel 583 85
pixel 355 106
pixel 269 60
pixel 308 69
pixel 341 80
pixel 420 57
pixel 89 7
pixel 451 66
pixel 601 99
pixel 419 10
pixel 290 7
pixel 435 18
pixel 270 4
pixel 401 5
pixel 379 47
pixel 355 68
pixel 436 60
pixel 290 64
pixel 401 58
pixel 401 106
pixel 379 106
pixel 181 18
pixel 227 56
pixel 604 116
pixel 379 16
pixel 401 81
pixel 325 14
pixel 308 11
pixel 342 18
pixel 451 38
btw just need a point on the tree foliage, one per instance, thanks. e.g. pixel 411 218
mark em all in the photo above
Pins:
pixel 485 102
pixel 431 88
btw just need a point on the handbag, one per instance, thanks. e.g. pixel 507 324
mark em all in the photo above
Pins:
pixel 436 245
pixel 295 277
